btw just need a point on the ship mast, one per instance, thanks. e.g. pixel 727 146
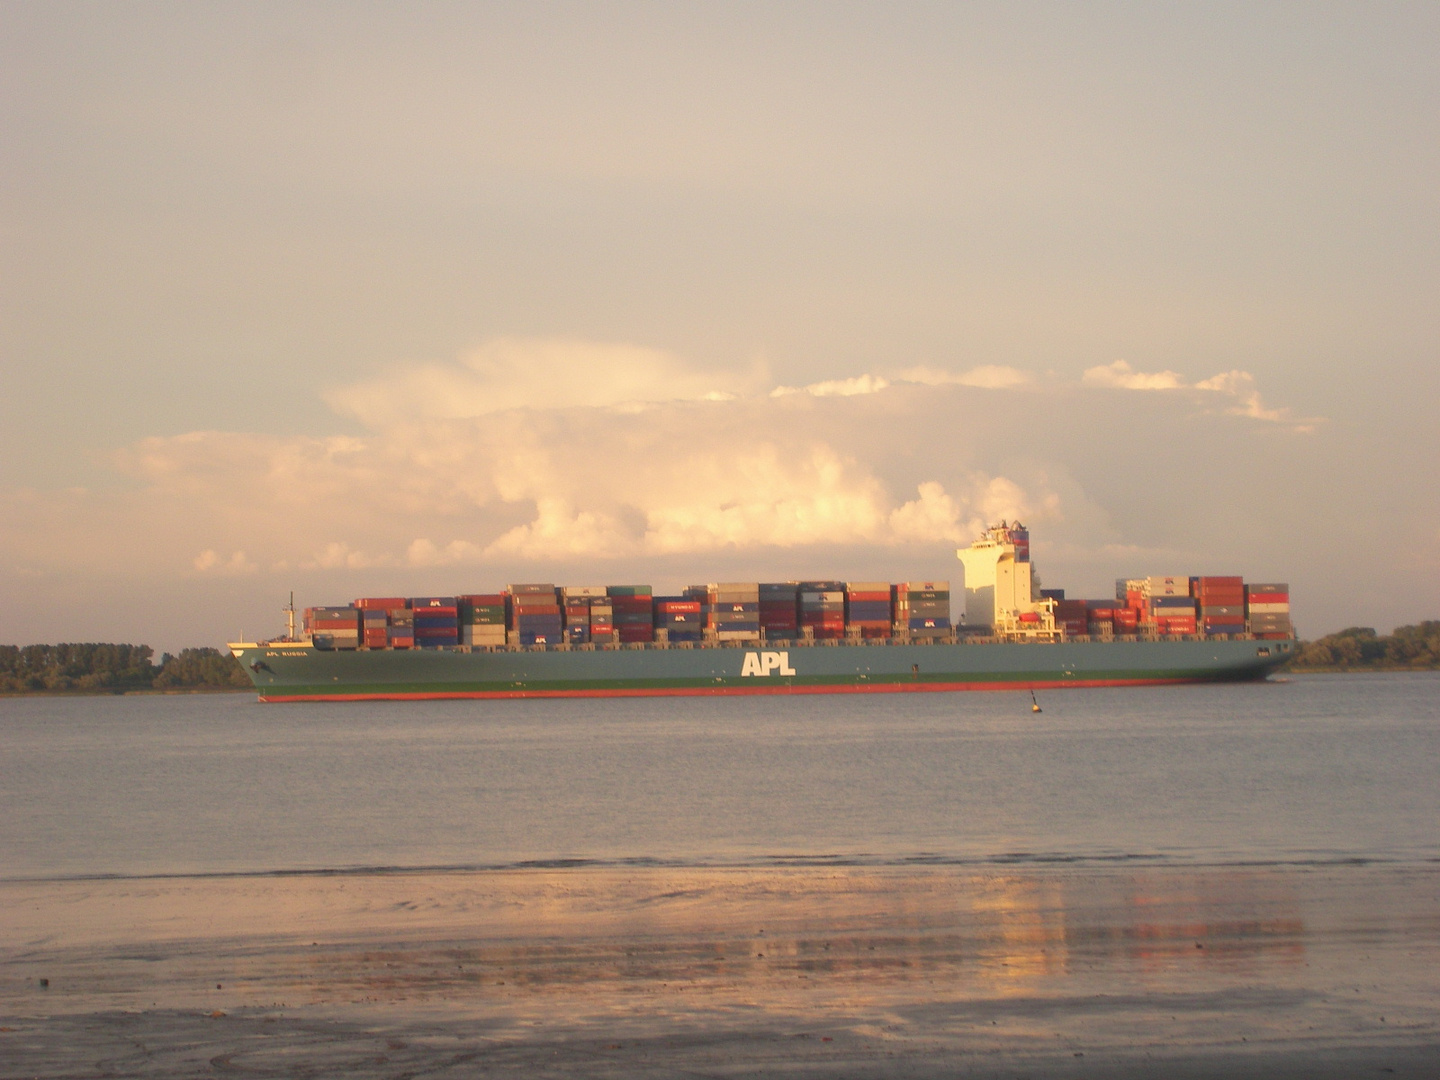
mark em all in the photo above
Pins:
pixel 290 618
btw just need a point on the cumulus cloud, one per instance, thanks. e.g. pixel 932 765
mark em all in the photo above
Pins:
pixel 986 377
pixel 536 373
pixel 210 561
pixel 1121 376
pixel 584 483
pixel 1238 386
pixel 860 384
pixel 338 555
pixel 558 451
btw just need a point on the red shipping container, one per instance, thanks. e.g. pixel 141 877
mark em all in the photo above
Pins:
pixel 678 607
pixel 374 603
pixel 484 599
pixel 869 597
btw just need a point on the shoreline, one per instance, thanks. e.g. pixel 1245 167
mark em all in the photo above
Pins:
pixel 148 692
pixel 829 970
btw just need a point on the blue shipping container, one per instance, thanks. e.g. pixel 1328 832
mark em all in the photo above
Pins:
pixel 938 623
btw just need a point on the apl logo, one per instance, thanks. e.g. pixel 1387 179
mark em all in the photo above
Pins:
pixel 763 663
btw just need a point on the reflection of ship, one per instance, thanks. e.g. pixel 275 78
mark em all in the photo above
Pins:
pixel 1015 636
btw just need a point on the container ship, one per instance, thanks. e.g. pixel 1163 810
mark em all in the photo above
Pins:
pixel 793 637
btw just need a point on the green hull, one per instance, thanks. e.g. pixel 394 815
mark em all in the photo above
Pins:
pixel 287 671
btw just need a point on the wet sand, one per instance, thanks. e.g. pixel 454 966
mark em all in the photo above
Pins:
pixel 805 971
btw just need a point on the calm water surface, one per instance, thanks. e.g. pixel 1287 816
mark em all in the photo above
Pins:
pixel 1317 768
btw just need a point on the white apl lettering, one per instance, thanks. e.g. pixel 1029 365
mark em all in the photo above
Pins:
pixel 763 663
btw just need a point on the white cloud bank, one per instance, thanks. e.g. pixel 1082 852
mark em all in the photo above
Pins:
pixel 565 451
pixel 1238 386
pixel 535 373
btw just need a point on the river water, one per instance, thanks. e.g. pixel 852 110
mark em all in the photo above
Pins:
pixel 1313 769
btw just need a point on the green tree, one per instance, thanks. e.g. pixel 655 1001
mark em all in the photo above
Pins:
pixel 201 668
pixel 1359 647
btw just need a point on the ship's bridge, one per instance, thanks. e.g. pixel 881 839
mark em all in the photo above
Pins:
pixel 1000 589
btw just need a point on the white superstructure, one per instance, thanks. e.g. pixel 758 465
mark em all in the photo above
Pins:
pixel 1000 588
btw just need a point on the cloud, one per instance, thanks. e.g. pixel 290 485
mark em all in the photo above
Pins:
pixel 535 373
pixel 664 464
pixel 423 552
pixel 1121 376
pixel 986 377
pixel 543 485
pixel 1239 386
pixel 210 561
pixel 860 384
pixel 337 555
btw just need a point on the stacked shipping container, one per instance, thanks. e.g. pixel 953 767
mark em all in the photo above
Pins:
pixel 575 602
pixel 1221 603
pixel 821 609
pixel 602 619
pixel 681 617
pixel 482 619
pixel 376 613
pixel 541 614
pixel 437 620
pixel 779 618
pixel 733 610
pixel 535 614
pixel 1169 608
pixel 336 627
pixel 1267 609
pixel 634 613
pixel 922 608
pixel 1072 616
pixel 867 609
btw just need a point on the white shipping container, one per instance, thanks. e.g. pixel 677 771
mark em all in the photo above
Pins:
pixel 1167 586
pixel 583 590
pixel 1269 609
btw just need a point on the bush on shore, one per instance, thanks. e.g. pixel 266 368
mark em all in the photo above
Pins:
pixel 1359 648
pixel 116 668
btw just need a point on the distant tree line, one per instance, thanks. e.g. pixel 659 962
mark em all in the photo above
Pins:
pixel 114 668
pixel 1415 648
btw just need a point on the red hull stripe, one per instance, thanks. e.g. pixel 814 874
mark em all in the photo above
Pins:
pixel 728 691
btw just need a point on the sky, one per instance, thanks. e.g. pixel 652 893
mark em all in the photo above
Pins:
pixel 380 299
